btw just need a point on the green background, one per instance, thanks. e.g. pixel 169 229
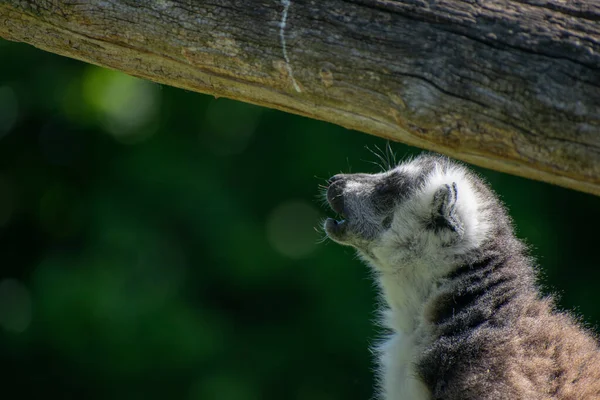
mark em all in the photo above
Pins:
pixel 157 243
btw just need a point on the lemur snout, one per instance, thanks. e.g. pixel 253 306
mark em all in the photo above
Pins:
pixel 335 193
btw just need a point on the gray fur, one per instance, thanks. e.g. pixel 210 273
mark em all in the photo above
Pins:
pixel 467 319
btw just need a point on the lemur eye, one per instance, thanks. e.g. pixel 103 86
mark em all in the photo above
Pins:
pixel 389 186
pixel 383 188
pixel 384 194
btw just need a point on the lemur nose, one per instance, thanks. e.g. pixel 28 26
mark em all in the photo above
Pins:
pixel 335 178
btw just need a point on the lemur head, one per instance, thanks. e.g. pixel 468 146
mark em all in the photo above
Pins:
pixel 429 209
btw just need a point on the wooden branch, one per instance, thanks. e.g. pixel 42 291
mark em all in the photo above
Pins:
pixel 512 85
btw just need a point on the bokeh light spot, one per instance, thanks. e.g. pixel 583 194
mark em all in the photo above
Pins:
pixel 290 228
pixel 128 106
pixel 9 109
pixel 15 306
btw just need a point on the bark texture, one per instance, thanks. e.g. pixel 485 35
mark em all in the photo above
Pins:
pixel 512 85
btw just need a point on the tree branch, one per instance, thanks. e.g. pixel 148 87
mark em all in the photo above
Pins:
pixel 512 85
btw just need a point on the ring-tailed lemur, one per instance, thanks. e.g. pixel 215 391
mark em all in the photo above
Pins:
pixel 468 321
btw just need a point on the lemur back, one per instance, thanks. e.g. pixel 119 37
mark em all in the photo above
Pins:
pixel 468 321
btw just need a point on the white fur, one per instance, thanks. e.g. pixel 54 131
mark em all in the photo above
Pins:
pixel 399 380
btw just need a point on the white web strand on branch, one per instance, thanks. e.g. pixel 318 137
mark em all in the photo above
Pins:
pixel 282 25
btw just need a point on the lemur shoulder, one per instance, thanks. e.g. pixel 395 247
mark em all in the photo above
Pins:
pixel 468 321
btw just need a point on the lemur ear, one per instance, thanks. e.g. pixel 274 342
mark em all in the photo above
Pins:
pixel 445 216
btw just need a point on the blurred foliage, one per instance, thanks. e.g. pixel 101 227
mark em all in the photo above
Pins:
pixel 157 243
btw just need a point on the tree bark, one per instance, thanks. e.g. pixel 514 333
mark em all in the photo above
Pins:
pixel 512 85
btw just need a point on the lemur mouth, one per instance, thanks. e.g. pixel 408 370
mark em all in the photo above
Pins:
pixel 336 229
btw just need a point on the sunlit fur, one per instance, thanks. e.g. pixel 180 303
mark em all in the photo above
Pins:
pixel 466 316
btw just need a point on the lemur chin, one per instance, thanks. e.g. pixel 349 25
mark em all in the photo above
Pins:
pixel 468 321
